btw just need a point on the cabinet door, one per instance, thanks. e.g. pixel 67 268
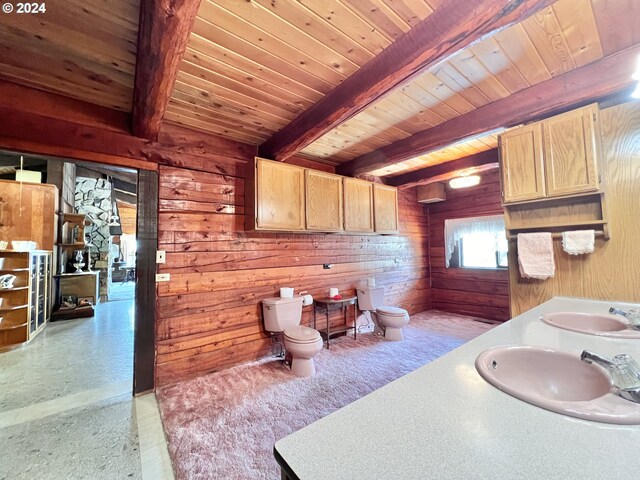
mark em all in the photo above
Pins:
pixel 570 152
pixel 385 208
pixel 323 201
pixel 358 205
pixel 280 196
pixel 521 164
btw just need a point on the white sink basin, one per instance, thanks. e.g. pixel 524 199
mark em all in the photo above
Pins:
pixel 557 381
pixel 591 324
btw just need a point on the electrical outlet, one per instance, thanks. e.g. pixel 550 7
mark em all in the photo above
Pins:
pixel 161 256
pixel 163 277
pixel 397 260
pixel 327 266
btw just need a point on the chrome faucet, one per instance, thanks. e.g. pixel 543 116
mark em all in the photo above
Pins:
pixel 633 316
pixel 624 372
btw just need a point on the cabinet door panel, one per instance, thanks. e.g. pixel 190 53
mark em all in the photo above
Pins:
pixel 570 152
pixel 280 196
pixel 358 205
pixel 323 201
pixel 385 208
pixel 522 166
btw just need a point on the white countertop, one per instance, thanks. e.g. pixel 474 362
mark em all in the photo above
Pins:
pixel 443 421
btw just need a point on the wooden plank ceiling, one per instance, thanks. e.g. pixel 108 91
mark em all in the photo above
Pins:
pixel 80 49
pixel 251 67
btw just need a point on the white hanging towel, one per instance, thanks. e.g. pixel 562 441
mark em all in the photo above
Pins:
pixel 535 255
pixel 578 242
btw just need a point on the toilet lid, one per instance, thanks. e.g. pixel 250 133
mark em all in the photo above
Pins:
pixel 392 311
pixel 302 334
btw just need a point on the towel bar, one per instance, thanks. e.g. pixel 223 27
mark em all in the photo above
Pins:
pixel 599 233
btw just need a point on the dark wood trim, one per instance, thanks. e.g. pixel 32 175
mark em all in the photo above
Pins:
pixel 145 321
pixel 163 34
pixel 443 171
pixel 452 26
pixel 577 87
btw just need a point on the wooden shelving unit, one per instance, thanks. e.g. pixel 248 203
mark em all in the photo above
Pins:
pixel 26 306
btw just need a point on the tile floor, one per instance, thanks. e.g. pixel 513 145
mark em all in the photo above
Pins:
pixel 66 409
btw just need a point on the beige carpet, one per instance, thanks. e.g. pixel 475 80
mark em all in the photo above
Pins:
pixel 224 425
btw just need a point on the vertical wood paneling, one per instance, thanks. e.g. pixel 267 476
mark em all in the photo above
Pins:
pixel 477 292
pixel 612 271
pixel 209 314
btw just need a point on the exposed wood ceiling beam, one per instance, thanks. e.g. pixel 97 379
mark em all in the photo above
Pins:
pixel 582 85
pixel 470 165
pixel 163 34
pixel 452 26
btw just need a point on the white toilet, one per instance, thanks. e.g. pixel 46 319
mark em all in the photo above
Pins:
pixel 391 320
pixel 283 315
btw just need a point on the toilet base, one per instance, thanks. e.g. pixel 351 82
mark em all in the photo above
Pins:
pixel 303 367
pixel 393 334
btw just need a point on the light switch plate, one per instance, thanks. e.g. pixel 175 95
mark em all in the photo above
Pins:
pixel 161 256
pixel 163 277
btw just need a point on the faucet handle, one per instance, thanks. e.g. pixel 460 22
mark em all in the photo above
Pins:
pixel 625 360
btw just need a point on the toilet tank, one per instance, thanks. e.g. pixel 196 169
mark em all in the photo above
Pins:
pixel 281 313
pixel 370 298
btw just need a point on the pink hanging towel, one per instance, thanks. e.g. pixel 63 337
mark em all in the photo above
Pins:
pixel 535 255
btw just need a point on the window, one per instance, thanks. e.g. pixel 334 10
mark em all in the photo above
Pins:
pixel 476 242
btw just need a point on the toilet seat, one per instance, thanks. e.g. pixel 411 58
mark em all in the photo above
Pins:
pixel 392 311
pixel 302 335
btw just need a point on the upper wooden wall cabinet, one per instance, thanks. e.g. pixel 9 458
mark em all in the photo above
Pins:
pixel 556 157
pixel 385 208
pixel 324 201
pixel 358 205
pixel 284 197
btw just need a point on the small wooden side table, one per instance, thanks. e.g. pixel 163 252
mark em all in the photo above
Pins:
pixel 325 305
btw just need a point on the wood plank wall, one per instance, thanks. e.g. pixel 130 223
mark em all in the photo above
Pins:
pixel 209 314
pixel 476 292
pixel 612 271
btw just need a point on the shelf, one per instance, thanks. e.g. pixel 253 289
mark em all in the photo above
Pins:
pixel 72 274
pixel 13 289
pixel 74 245
pixel 75 217
pixel 576 196
pixel 584 223
pixel 11 270
pixel 13 327
pixel 15 307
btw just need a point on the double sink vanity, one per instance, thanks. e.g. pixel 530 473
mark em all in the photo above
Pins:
pixel 532 398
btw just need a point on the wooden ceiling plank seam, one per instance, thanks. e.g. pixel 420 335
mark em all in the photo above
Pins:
pixel 411 14
pixel 443 93
pixel 270 43
pixel 186 108
pixel 425 99
pixel 217 90
pixel 378 111
pixel 495 60
pixel 579 29
pixel 375 124
pixel 414 111
pixel 466 63
pixel 207 63
pixel 66 88
pixel 349 23
pixel 231 107
pixel 617 27
pixel 163 35
pixel 455 25
pixel 258 55
pixel 225 106
pixel 209 128
pixel 458 83
pixel 598 79
pixel 381 18
pixel 121 52
pixel 24 49
pixel 250 68
pixel 545 34
pixel 322 31
pixel 517 45
pixel 216 123
pixel 269 22
pixel 255 93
